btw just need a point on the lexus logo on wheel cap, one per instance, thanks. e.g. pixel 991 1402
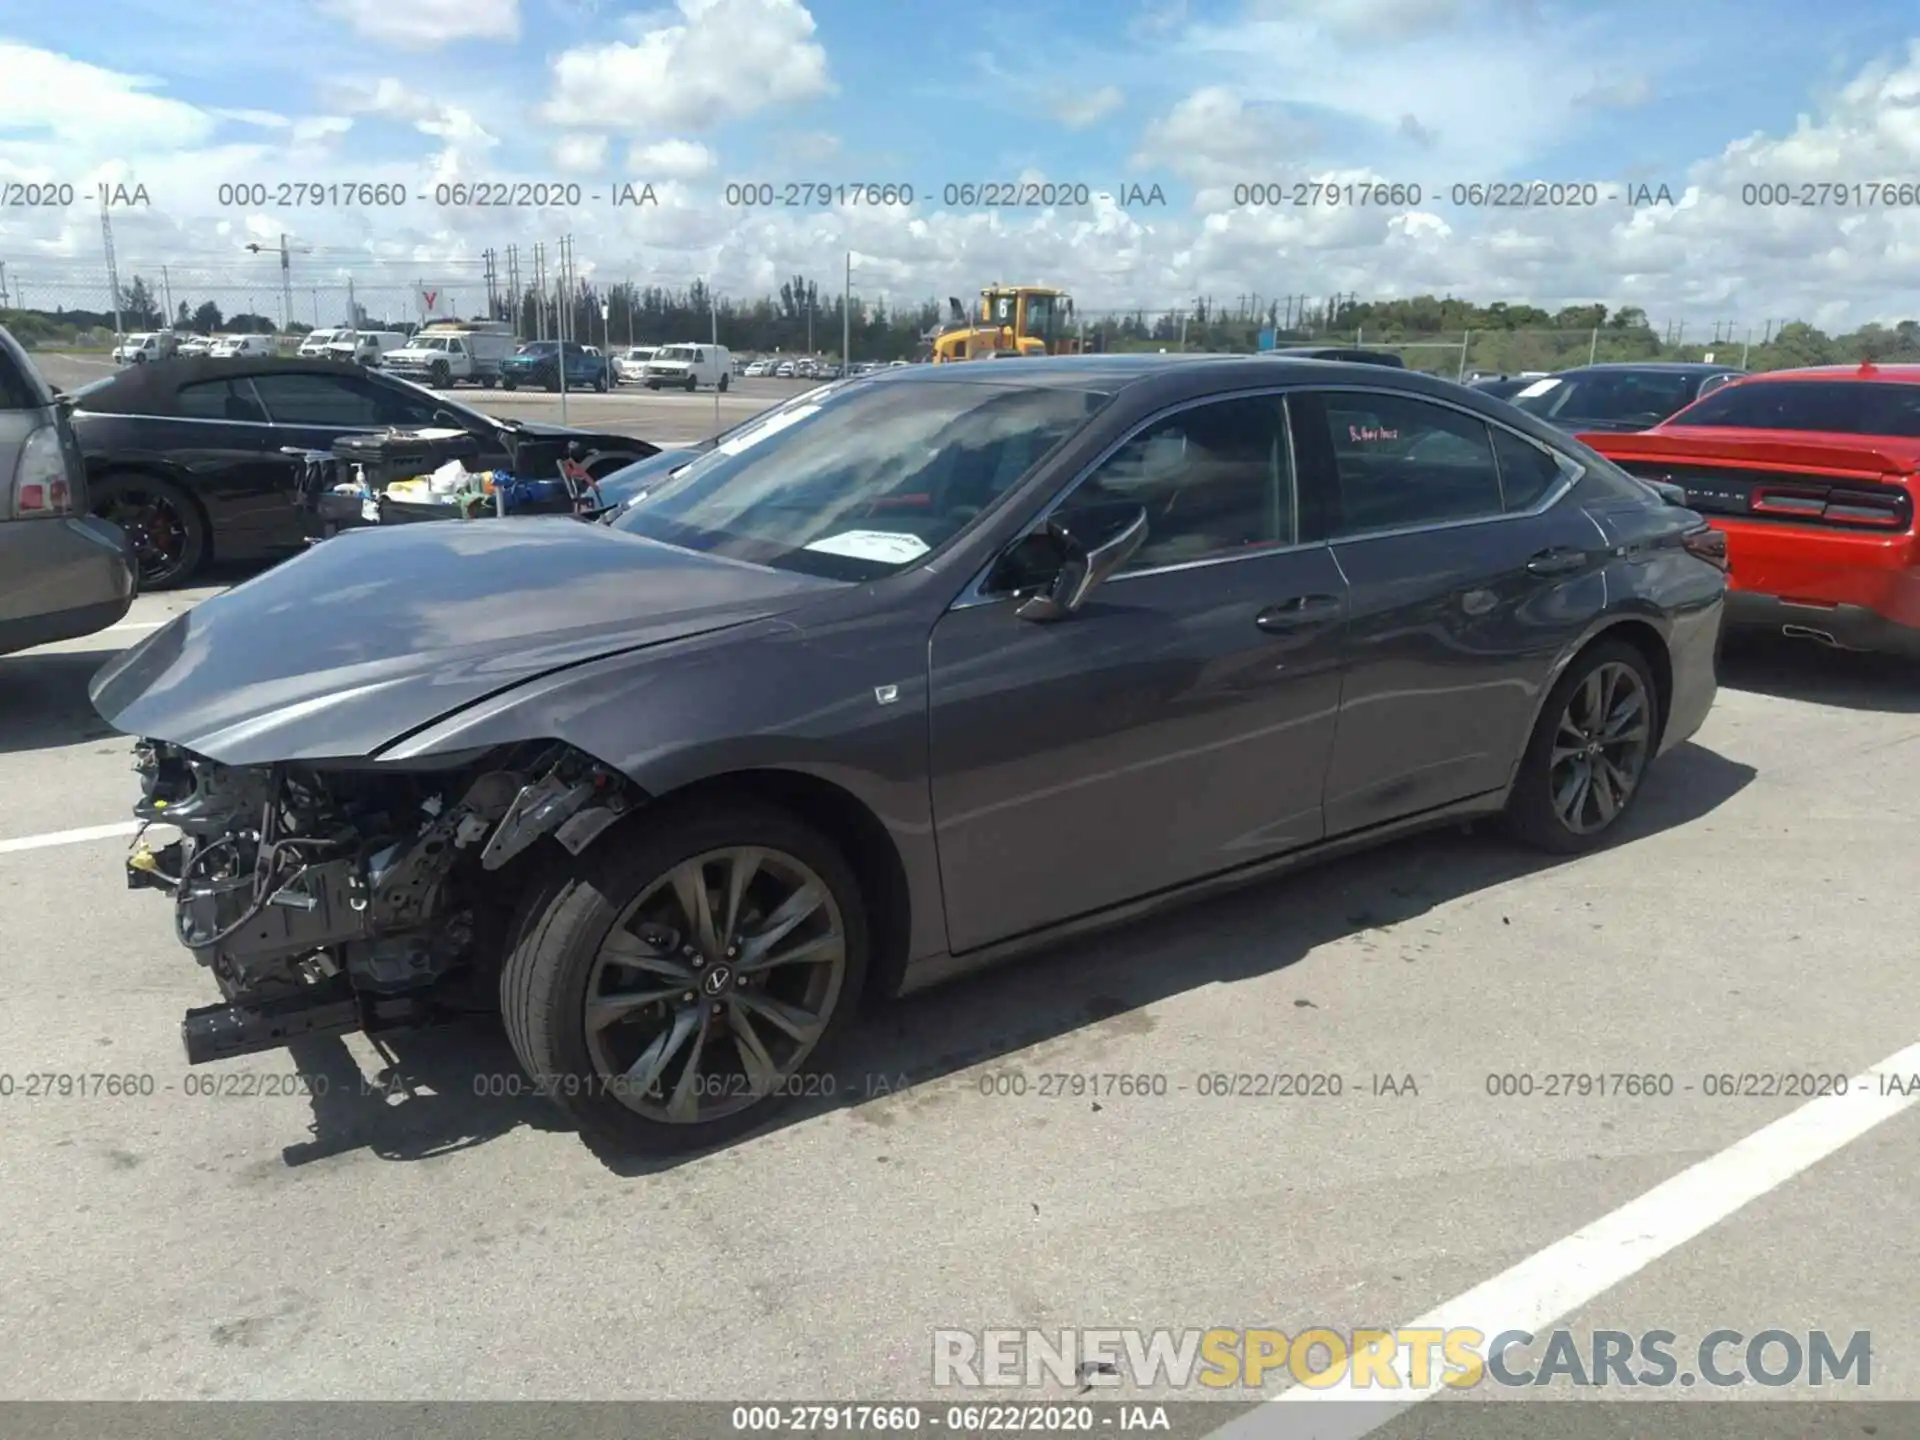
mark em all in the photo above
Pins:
pixel 717 979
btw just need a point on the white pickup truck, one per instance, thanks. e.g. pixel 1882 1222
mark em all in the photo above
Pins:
pixel 442 356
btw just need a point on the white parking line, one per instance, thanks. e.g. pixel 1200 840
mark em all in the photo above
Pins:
pixel 70 837
pixel 1565 1276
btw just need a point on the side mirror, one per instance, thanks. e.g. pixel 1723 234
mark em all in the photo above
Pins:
pixel 1083 567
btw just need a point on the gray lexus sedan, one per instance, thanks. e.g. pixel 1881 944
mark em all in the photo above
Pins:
pixel 943 665
pixel 63 574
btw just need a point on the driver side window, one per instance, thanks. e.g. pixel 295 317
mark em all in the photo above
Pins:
pixel 1216 480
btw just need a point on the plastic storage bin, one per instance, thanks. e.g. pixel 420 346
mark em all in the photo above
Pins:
pixel 392 455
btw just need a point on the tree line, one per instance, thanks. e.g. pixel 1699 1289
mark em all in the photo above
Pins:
pixel 1442 334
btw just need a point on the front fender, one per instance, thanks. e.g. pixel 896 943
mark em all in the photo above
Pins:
pixel 843 703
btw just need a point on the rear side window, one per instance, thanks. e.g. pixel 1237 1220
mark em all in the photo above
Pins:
pixel 1403 462
pixel 214 400
pixel 1843 407
pixel 1527 472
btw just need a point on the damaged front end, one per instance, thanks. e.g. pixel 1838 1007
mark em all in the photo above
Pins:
pixel 327 899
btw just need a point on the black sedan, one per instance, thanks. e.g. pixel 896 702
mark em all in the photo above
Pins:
pixel 185 454
pixel 946 664
pixel 1634 395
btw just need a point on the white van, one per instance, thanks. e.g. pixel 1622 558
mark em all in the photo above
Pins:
pixel 314 346
pixel 236 347
pixel 688 367
pixel 145 346
pixel 365 347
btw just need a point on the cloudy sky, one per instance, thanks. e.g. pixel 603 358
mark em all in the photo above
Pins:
pixel 1104 98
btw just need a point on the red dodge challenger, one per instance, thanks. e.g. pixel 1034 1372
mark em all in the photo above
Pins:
pixel 1814 477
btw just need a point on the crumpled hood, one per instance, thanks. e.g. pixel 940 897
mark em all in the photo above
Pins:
pixel 377 632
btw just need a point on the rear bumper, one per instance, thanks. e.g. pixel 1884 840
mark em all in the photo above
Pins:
pixel 1857 591
pixel 62 579
pixel 1848 627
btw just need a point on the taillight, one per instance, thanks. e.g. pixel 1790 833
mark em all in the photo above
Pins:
pixel 1707 544
pixel 40 486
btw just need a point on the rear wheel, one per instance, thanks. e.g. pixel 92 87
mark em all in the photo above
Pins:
pixel 168 534
pixel 600 382
pixel 1589 752
pixel 677 989
pixel 723 383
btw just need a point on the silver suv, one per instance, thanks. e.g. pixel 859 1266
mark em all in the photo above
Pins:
pixel 62 572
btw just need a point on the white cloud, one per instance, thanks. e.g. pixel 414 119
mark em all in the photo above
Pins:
pixel 391 99
pixel 723 60
pixel 90 112
pixel 580 154
pixel 1214 137
pixel 428 24
pixel 1078 111
pixel 670 160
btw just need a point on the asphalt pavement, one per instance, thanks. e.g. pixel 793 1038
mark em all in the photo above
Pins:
pixel 413 1234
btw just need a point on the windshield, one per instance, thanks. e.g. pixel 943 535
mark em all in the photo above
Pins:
pixel 1843 407
pixel 861 481
pixel 676 352
pixel 540 347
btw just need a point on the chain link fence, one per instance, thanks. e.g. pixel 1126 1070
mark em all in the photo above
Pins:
pixel 71 304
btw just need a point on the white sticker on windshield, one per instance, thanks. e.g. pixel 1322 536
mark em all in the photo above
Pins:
pixel 773 425
pixel 1538 387
pixel 887 546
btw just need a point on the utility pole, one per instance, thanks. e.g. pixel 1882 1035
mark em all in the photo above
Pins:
pixel 539 290
pixel 3 284
pixel 629 289
pixel 286 286
pixel 713 315
pixel 846 319
pixel 166 288
pixel 113 268
pixel 516 297
pixel 493 294
pixel 1745 347
pixel 352 316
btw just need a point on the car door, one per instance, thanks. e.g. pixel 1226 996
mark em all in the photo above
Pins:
pixel 1469 571
pixel 1179 724
pixel 219 435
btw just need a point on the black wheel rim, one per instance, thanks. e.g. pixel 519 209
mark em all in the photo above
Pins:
pixel 715 986
pixel 1600 748
pixel 157 529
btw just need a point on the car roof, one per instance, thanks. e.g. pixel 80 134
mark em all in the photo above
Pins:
pixel 1664 367
pixel 149 389
pixel 1115 371
pixel 1897 374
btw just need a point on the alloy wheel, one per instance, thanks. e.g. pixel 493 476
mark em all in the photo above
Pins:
pixel 1600 747
pixel 715 985
pixel 156 529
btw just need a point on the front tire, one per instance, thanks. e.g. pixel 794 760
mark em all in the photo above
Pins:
pixel 1586 762
pixel 679 987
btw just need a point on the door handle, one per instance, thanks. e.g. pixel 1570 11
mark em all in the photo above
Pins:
pixel 1557 562
pixel 1299 613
